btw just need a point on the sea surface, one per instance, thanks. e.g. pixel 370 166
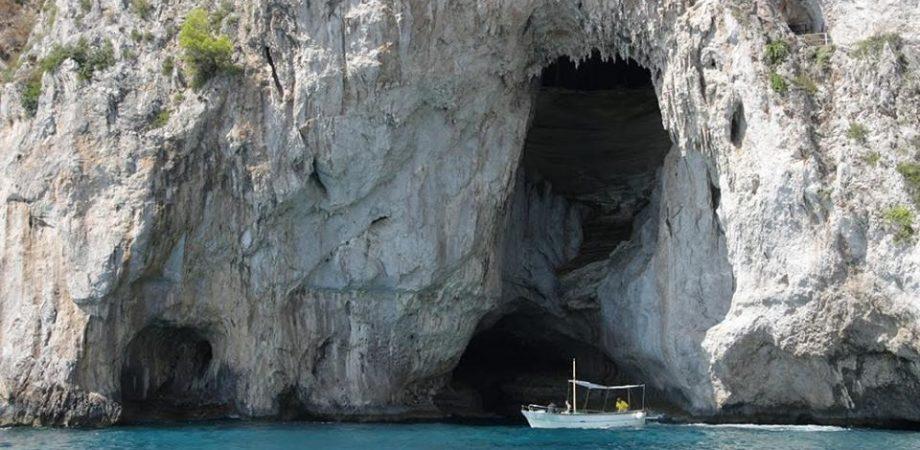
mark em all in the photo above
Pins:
pixel 238 435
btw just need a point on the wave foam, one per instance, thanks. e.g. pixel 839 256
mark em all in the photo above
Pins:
pixel 753 426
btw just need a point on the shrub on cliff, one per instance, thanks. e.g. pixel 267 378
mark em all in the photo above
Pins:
pixel 97 59
pixel 31 91
pixel 858 132
pixel 142 8
pixel 902 219
pixel 872 158
pixel 805 83
pixel 206 53
pixel 911 174
pixel 874 45
pixel 160 119
pixel 168 65
pixel 776 52
pixel 822 56
pixel 778 83
pixel 88 60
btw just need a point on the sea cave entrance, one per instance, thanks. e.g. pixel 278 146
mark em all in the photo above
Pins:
pixel 166 374
pixel 588 170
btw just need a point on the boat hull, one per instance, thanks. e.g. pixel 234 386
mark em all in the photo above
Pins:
pixel 544 419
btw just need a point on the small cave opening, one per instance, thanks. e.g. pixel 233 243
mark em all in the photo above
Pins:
pixel 165 374
pixel 588 170
pixel 803 16
pixel 738 126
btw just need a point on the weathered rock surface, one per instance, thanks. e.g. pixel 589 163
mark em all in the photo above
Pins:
pixel 324 233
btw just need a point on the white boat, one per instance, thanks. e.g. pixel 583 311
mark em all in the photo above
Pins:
pixel 539 416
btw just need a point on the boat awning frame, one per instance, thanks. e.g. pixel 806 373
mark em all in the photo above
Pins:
pixel 590 385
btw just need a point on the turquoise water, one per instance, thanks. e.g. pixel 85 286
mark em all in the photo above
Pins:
pixel 449 436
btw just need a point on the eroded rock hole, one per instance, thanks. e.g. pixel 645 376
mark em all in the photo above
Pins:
pixel 803 16
pixel 165 374
pixel 738 125
pixel 589 168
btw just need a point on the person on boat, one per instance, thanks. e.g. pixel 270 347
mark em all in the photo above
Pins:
pixel 621 405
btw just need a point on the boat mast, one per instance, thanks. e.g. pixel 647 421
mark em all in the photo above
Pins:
pixel 574 398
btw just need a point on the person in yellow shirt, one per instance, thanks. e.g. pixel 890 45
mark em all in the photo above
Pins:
pixel 621 405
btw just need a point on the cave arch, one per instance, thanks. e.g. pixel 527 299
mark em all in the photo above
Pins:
pixel 589 168
pixel 167 373
pixel 803 16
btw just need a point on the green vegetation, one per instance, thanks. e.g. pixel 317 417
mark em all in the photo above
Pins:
pixel 902 218
pixel 216 18
pixel 873 45
pixel 805 83
pixel 31 91
pixel 858 132
pixel 50 11
pixel 142 8
pixel 776 52
pixel 778 83
pixel 822 56
pixel 98 59
pixel 9 71
pixel 55 58
pixel 86 5
pixel 872 158
pixel 911 174
pixel 168 66
pixel 137 36
pixel 160 119
pixel 88 61
pixel 206 53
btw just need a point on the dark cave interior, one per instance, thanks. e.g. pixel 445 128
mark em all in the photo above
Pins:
pixel 165 375
pixel 520 360
pixel 803 16
pixel 597 140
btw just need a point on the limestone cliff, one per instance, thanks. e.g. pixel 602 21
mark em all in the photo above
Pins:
pixel 384 195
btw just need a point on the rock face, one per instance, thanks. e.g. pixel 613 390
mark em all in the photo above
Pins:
pixel 387 181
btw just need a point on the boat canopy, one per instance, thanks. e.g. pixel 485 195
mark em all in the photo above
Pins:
pixel 590 385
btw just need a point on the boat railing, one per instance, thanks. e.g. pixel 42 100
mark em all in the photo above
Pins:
pixel 607 411
pixel 816 39
pixel 532 407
